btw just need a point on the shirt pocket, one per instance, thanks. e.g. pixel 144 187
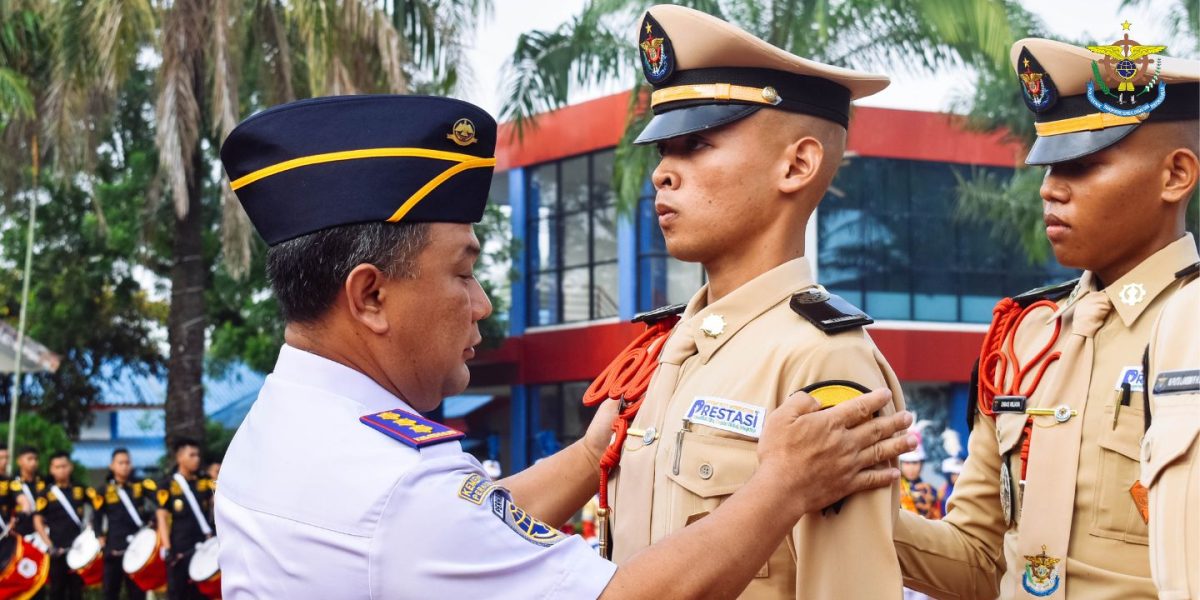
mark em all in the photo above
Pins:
pixel 1116 515
pixel 1172 480
pixel 706 470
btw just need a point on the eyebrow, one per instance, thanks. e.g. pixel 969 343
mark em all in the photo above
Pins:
pixel 471 250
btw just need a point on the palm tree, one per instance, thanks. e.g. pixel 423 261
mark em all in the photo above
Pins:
pixel 595 46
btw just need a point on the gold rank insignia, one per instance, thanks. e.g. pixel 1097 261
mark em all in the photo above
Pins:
pixel 834 392
pixel 462 133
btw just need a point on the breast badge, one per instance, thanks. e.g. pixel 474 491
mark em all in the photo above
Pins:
pixel 1041 574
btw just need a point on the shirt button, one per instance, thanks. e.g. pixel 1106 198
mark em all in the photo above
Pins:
pixel 706 471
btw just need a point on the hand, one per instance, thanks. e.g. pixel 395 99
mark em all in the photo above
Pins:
pixel 822 456
pixel 599 432
pixel 101 539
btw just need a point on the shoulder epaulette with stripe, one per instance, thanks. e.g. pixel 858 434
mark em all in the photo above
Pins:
pixel 828 312
pixel 1049 292
pixel 651 317
pixel 1188 271
pixel 414 430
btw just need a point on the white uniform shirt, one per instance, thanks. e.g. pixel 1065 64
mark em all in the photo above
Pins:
pixel 315 504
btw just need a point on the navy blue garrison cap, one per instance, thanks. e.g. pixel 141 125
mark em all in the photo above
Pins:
pixel 310 165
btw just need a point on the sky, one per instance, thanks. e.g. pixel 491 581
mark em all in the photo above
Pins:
pixel 1097 20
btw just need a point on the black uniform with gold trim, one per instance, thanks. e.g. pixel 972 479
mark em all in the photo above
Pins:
pixel 31 490
pixel 113 522
pixel 8 502
pixel 186 531
pixel 63 529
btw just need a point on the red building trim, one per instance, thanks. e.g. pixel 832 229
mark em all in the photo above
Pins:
pixel 580 353
pixel 874 132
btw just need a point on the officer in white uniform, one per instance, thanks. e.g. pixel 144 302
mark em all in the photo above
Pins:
pixel 366 203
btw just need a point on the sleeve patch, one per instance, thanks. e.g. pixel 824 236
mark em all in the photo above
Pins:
pixel 475 489
pixel 414 430
pixel 163 497
pixel 522 522
pixel 832 393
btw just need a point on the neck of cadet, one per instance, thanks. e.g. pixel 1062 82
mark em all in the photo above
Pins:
pixel 781 242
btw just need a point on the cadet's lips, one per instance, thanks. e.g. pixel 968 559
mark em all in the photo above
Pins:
pixel 1056 228
pixel 666 213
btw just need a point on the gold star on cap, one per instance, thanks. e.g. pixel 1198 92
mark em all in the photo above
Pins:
pixel 1126 25
pixel 713 325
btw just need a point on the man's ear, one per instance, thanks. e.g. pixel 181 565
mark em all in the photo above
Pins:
pixel 803 160
pixel 1181 169
pixel 365 293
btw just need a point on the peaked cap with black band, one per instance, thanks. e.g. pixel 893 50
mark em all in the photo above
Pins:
pixel 1083 105
pixel 707 73
pixel 310 165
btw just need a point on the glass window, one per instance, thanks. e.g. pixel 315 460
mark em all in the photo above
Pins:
pixel 889 243
pixel 573 246
pixel 662 279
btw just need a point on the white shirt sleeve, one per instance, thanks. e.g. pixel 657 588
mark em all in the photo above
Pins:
pixel 446 531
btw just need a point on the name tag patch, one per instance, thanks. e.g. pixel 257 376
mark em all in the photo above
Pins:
pixel 727 415
pixel 1177 382
pixel 1134 377
pixel 1008 404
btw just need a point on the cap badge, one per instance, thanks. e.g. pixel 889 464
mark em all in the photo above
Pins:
pixel 1128 62
pixel 462 133
pixel 1037 88
pixel 713 325
pixel 1041 574
pixel 658 61
pixel 1133 294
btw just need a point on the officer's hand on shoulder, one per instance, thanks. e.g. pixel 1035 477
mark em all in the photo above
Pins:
pixel 599 432
pixel 822 456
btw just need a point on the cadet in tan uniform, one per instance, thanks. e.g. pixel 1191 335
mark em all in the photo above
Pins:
pixel 750 138
pixel 1170 450
pixel 1049 503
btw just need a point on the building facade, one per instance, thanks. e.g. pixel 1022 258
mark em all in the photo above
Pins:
pixel 885 237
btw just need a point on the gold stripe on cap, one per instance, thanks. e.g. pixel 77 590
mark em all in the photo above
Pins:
pixel 328 157
pixel 475 163
pixel 1092 122
pixel 716 91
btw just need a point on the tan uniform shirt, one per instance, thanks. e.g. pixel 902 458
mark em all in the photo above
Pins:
pixel 964 555
pixel 757 352
pixel 1170 451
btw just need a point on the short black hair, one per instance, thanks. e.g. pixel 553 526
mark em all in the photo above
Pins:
pixel 27 450
pixel 120 450
pixel 184 442
pixel 60 454
pixel 307 272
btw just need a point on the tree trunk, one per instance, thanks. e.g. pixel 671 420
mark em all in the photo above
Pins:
pixel 186 320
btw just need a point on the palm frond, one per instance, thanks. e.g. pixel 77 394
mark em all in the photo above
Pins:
pixel 177 112
pixel 1011 206
pixel 16 102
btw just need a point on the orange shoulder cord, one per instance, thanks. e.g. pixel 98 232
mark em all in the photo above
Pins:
pixel 998 353
pixel 625 379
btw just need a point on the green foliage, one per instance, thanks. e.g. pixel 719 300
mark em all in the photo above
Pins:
pixel 216 442
pixel 495 271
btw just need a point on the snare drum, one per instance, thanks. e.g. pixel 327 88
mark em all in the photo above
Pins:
pixel 86 559
pixel 23 568
pixel 204 571
pixel 143 561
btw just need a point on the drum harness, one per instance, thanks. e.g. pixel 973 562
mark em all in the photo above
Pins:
pixel 191 500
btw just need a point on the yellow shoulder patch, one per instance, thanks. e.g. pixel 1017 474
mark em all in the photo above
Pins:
pixel 41 485
pixel 149 484
pixel 77 493
pixel 41 504
pixel 163 497
pixel 834 392
pixel 97 502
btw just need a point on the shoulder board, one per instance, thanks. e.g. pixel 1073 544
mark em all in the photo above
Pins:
pixel 1049 292
pixel 149 484
pixel 834 392
pixel 653 316
pixel 828 312
pixel 414 430
pixel 1188 271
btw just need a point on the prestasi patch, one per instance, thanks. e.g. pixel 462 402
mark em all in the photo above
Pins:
pixel 834 392
pixel 1134 377
pixel 414 430
pixel 1186 381
pixel 1037 89
pixel 727 415
pixel 1041 574
pixel 658 56
pixel 475 488
pixel 521 522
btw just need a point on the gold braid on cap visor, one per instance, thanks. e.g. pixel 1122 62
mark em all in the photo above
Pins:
pixel 462 162
pixel 1092 122
pixel 716 91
